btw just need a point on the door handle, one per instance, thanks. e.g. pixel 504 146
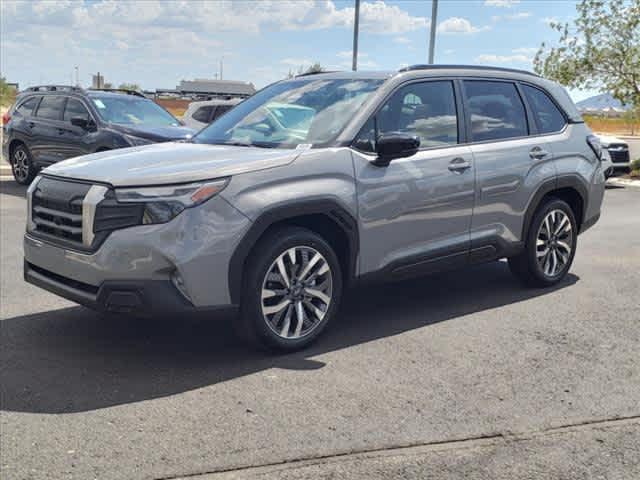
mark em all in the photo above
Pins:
pixel 459 165
pixel 61 131
pixel 31 124
pixel 538 153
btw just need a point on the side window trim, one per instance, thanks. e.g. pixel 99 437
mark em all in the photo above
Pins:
pixel 532 125
pixel 383 102
pixel 212 114
pixel 467 110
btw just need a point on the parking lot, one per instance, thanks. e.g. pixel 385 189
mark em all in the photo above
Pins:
pixel 457 375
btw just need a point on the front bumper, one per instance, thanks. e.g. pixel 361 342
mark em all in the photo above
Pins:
pixel 138 263
pixel 143 297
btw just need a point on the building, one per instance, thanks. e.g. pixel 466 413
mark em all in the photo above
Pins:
pixel 205 89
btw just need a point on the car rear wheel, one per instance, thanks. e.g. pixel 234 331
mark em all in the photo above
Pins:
pixel 22 165
pixel 292 290
pixel 550 246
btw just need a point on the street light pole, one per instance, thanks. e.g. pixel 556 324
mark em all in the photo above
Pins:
pixel 432 31
pixel 356 22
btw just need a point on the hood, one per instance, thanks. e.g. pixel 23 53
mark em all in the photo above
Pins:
pixel 165 163
pixel 155 134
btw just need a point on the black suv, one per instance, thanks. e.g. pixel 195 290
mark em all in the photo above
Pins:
pixel 52 123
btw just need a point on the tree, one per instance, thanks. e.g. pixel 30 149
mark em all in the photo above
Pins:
pixel 314 68
pixel 601 50
pixel 7 93
pixel 129 86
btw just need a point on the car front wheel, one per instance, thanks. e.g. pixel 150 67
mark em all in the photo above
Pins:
pixel 292 290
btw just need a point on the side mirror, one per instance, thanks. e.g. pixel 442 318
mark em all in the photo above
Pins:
pixel 81 122
pixel 395 145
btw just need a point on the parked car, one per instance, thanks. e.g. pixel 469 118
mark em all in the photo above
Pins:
pixel 201 114
pixel 51 123
pixel 618 151
pixel 607 164
pixel 397 174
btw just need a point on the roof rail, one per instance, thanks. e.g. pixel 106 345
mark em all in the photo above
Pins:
pixel 465 67
pixel 53 88
pixel 121 90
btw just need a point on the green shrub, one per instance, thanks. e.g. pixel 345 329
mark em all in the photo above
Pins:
pixel 635 165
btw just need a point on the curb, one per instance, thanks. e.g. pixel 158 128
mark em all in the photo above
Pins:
pixel 623 182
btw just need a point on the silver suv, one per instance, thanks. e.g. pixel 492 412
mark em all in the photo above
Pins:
pixel 318 183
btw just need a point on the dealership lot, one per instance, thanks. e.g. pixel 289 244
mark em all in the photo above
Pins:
pixel 477 375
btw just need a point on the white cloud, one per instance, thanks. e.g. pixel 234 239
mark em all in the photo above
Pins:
pixel 454 25
pixel 501 3
pixel 402 40
pixel 511 16
pixel 525 50
pixel 349 54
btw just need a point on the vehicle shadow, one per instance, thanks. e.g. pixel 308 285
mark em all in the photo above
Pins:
pixel 73 360
pixel 10 187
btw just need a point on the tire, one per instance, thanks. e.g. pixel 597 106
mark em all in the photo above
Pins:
pixel 305 257
pixel 22 167
pixel 546 259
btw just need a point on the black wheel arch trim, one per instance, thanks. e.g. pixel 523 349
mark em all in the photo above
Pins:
pixel 282 212
pixel 570 180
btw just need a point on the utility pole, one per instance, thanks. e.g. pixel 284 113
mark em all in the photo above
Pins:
pixel 432 31
pixel 356 22
pixel 77 76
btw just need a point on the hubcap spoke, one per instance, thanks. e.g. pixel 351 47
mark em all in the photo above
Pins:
pixel 554 243
pixel 296 292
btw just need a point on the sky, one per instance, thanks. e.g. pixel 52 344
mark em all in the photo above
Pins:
pixel 156 43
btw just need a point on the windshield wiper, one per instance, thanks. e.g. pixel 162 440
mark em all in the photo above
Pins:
pixel 243 144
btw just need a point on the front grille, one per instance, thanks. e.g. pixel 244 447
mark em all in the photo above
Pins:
pixel 57 210
pixel 619 153
pixel 57 213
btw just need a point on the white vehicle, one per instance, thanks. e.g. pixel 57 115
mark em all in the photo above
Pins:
pixel 201 114
pixel 618 151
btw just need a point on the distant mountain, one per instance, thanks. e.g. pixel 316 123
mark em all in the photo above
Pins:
pixel 600 102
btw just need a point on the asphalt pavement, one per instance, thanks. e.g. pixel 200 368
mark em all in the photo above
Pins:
pixel 459 375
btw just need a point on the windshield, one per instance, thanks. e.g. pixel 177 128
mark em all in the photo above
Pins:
pixel 287 114
pixel 133 111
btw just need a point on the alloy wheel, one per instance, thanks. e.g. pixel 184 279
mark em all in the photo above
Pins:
pixel 554 243
pixel 296 292
pixel 20 165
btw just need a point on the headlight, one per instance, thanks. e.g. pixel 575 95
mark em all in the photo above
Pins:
pixel 136 141
pixel 162 203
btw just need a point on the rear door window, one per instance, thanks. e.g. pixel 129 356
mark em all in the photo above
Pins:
pixel 546 114
pixel 203 114
pixel 497 111
pixel 51 107
pixel 75 108
pixel 26 107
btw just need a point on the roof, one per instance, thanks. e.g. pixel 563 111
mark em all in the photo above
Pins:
pixel 228 87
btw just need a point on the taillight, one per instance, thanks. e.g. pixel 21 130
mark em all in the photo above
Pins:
pixel 5 118
pixel 596 146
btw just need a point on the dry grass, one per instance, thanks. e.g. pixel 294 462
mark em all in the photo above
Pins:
pixel 616 126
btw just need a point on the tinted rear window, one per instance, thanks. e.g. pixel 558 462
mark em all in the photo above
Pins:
pixel 547 116
pixel 497 111
pixel 51 107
